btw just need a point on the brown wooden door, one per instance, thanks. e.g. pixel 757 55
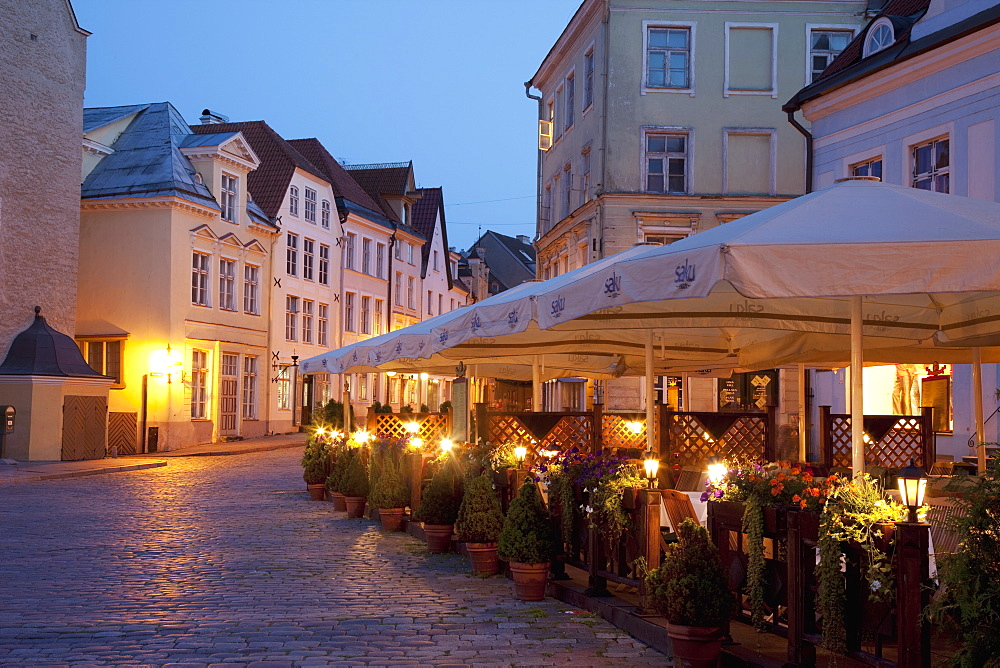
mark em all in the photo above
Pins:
pixel 85 428
pixel 229 384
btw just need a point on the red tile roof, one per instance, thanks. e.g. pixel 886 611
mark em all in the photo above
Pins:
pixel 268 183
pixel 383 179
pixel 853 52
pixel 343 184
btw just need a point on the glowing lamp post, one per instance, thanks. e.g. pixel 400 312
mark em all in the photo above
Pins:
pixel 446 445
pixel 412 427
pixel 651 466
pixel 360 437
pixel 912 485
pixel 520 454
pixel 716 469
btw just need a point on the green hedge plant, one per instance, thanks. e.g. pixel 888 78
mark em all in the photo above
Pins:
pixel 441 499
pixel 480 519
pixel 314 462
pixel 355 481
pixel 526 536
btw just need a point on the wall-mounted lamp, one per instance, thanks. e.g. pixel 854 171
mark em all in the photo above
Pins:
pixel 716 469
pixel 164 363
pixel 635 426
pixel 520 454
pixel 412 427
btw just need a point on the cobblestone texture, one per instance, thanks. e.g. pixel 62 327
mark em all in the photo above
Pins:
pixel 224 560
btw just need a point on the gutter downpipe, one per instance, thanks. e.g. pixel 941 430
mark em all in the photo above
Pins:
pixel 538 172
pixel 809 150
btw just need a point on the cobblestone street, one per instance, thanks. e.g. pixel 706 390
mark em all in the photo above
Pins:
pixel 223 560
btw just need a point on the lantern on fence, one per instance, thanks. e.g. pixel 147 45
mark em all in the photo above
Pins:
pixel 635 426
pixel 360 437
pixel 446 445
pixel 651 467
pixel 520 454
pixel 412 427
pixel 416 442
pixel 716 469
pixel 912 484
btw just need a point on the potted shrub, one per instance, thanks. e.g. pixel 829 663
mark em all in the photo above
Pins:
pixel 389 493
pixel 339 458
pixel 526 542
pixel 439 509
pixel 479 524
pixel 355 484
pixel 314 463
pixel 690 590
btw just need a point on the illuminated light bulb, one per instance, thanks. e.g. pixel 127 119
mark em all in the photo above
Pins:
pixel 413 427
pixel 447 445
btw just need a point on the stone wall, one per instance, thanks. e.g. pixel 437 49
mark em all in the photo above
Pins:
pixel 42 61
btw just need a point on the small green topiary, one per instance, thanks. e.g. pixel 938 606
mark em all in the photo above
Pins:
pixel 314 462
pixel 480 519
pixel 526 537
pixel 689 588
pixel 390 488
pixel 441 499
pixel 355 481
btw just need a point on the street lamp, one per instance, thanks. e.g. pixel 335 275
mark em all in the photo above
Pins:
pixel 635 426
pixel 912 485
pixel 412 427
pixel 716 469
pixel 651 466
pixel 520 454
pixel 446 445
pixel 360 437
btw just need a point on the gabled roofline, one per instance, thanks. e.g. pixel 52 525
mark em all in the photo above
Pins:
pixel 76 24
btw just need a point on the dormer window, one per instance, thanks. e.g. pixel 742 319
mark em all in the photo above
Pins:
pixel 293 201
pixel 230 197
pixel 880 37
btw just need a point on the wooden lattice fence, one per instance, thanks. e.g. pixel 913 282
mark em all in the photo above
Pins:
pixel 432 427
pixel 892 440
pixel 691 438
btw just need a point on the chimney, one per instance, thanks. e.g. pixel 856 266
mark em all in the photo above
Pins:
pixel 209 117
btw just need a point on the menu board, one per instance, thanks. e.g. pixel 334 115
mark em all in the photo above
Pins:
pixel 935 392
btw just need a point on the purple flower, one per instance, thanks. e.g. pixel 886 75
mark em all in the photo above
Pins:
pixel 718 494
pixel 704 497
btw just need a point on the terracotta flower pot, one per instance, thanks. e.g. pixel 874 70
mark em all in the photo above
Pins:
pixel 391 518
pixel 695 646
pixel 317 492
pixel 529 580
pixel 483 557
pixel 438 537
pixel 338 501
pixel 355 505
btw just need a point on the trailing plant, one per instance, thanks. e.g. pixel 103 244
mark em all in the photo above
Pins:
pixel 486 457
pixel 853 513
pixel 407 408
pixel 441 498
pixel 315 460
pixel 968 602
pixel 689 588
pixel 355 481
pixel 480 519
pixel 445 406
pixel 606 510
pixel 526 536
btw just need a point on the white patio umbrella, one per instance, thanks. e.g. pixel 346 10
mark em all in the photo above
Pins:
pixel 857 258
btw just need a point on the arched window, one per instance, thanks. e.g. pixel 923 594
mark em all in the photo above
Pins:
pixel 880 36
pixel 293 201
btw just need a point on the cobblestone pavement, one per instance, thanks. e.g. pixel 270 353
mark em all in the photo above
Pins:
pixel 223 560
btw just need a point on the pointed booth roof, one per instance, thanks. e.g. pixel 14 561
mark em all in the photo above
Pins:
pixel 41 350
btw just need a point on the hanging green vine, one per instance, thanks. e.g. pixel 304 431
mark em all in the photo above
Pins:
pixel 831 597
pixel 753 526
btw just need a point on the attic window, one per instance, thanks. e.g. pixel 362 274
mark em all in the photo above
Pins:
pixel 880 37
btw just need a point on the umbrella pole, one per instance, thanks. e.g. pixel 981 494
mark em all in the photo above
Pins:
pixel 857 388
pixel 536 384
pixel 977 402
pixel 803 453
pixel 650 418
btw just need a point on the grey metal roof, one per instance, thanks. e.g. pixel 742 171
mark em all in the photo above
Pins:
pixel 41 350
pixel 213 139
pixel 98 117
pixel 147 160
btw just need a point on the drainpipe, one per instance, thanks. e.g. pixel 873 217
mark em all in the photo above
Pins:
pixel 809 149
pixel 538 171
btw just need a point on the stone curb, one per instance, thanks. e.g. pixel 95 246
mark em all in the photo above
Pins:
pixel 35 477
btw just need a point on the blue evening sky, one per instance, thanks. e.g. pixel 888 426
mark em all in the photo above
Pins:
pixel 439 82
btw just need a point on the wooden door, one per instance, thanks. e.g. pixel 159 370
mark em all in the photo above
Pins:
pixel 85 428
pixel 229 383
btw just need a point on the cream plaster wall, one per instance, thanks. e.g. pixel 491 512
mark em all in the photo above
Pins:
pixel 43 57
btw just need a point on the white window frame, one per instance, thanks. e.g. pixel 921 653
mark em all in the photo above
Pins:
pixel 349 244
pixel 200 273
pixel 411 301
pixel 589 59
pixel 922 137
pixel 569 100
pixel 322 324
pixel 251 289
pixel 868 155
pixel 692 43
pixel 325 214
pixel 773 90
pixel 199 384
pixel 823 27
pixel 409 253
pixel 870 48
pixel 365 313
pixel 323 273
pixel 586 159
pixel 377 317
pixel 399 288
pixel 308 313
pixel 566 197
pixel 688 158
pixel 349 312
pixel 292 254
pixel 435 266
pixel 230 197
pixel 397 249
pixel 98 351
pixel 284 387
pixel 227 284
pixel 291 318
pixel 380 260
pixel 366 256
pixel 772 134
pixel 430 303
pixel 935 171
pixel 293 201
pixel 310 210
pixel 249 381
pixel 308 258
